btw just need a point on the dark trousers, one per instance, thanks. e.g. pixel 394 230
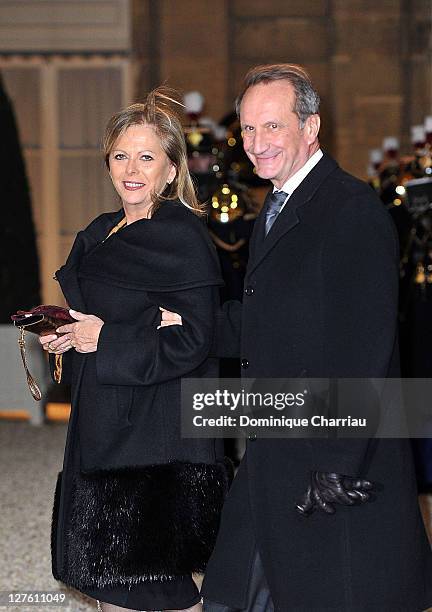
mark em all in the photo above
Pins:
pixel 258 594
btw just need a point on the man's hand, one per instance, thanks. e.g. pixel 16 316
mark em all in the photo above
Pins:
pixel 326 489
pixel 84 334
pixel 169 318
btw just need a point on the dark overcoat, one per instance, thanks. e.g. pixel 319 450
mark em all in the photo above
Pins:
pixel 320 300
pixel 136 502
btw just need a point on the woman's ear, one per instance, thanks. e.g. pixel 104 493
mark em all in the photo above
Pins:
pixel 172 174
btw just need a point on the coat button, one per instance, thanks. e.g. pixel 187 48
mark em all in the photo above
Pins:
pixel 244 363
pixel 252 437
pixel 249 290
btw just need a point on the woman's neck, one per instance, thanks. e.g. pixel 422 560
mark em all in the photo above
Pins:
pixel 136 212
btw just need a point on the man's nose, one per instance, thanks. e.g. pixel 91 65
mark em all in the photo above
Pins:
pixel 258 143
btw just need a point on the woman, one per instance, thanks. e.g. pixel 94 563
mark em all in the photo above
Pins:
pixel 137 507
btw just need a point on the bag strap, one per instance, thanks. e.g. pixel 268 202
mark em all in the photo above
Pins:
pixel 32 384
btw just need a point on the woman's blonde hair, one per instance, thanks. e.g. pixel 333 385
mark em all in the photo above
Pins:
pixel 160 110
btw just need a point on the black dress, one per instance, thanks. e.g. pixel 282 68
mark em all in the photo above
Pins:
pixel 137 507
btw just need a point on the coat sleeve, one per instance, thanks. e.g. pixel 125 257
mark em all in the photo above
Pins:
pixel 228 330
pixel 130 354
pixel 359 310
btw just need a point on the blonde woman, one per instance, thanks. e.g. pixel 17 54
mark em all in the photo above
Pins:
pixel 137 507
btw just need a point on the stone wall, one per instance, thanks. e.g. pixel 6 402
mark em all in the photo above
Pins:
pixel 371 61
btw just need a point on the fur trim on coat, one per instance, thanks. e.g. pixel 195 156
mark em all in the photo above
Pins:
pixel 54 523
pixel 142 524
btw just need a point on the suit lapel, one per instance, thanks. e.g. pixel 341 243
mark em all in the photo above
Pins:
pixel 285 222
pixel 289 217
pixel 257 236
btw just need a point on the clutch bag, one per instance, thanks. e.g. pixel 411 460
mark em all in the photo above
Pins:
pixel 42 320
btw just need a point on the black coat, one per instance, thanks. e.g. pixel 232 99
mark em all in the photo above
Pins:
pixel 128 476
pixel 320 300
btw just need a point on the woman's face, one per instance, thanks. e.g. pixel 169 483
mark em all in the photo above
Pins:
pixel 139 166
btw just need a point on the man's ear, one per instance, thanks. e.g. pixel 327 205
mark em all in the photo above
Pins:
pixel 312 127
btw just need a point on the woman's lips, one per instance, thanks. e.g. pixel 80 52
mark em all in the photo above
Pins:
pixel 132 186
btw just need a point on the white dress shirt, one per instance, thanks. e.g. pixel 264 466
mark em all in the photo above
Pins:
pixel 294 181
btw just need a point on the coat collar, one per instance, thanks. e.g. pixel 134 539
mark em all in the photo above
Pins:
pixel 289 216
pixel 85 241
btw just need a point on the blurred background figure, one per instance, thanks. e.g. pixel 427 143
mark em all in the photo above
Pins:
pixel 225 180
pixel 404 183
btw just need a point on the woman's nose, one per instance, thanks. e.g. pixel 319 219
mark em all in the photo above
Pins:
pixel 131 167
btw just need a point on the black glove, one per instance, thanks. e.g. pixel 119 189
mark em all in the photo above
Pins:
pixel 326 489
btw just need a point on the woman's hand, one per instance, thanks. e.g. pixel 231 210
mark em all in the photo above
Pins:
pixel 84 334
pixel 55 344
pixel 169 318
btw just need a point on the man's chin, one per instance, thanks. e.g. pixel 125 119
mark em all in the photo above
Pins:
pixel 265 173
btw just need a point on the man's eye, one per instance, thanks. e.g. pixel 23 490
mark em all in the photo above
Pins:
pixel 247 128
pixel 273 126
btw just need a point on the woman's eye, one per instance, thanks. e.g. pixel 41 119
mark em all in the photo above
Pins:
pixel 119 156
pixel 146 157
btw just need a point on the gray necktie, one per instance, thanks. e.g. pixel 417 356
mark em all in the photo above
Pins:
pixel 274 202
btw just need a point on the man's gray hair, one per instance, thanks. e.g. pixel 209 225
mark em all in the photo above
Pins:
pixel 307 100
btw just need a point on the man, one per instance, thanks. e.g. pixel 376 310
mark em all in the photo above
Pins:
pixel 320 300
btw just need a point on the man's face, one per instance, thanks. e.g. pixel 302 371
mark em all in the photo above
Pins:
pixel 272 137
